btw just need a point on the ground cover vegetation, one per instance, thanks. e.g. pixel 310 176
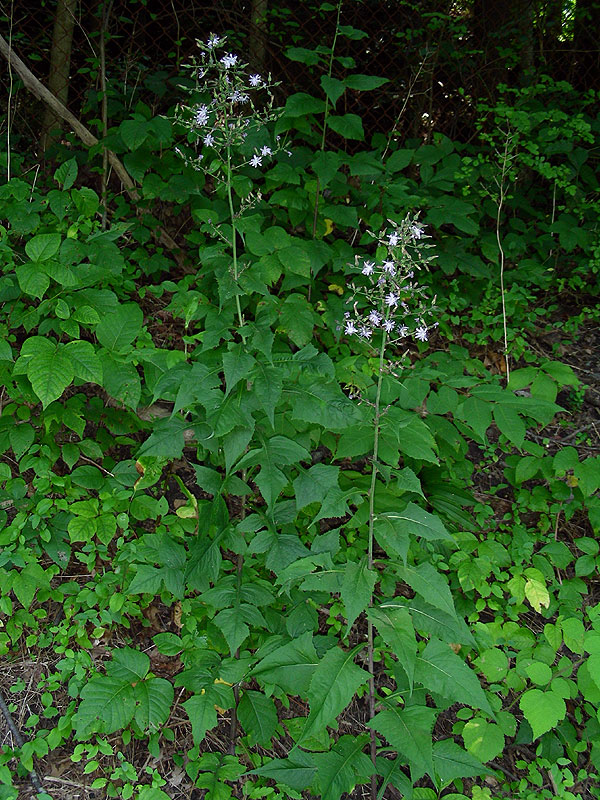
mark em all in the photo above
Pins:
pixel 307 508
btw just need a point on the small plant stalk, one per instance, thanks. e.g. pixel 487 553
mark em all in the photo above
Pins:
pixel 234 242
pixel 374 471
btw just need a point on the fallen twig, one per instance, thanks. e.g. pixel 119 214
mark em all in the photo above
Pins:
pixel 33 776
pixel 86 136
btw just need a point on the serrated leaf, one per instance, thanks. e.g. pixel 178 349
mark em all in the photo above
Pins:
pixel 542 710
pixel 43 246
pixel 343 767
pixel 153 697
pixel 32 280
pixel 333 88
pixel 314 484
pixel 415 521
pixel 357 589
pixel 237 364
pixel 232 626
pixel 431 585
pixel 50 373
pixel 409 731
pixel 333 684
pixel 395 626
pixel 21 438
pixel 86 363
pixel 66 174
pixel 118 329
pixel 452 762
pixel 483 739
pixel 296 319
pixel 147 579
pixel 442 671
pixel 510 424
pixel 291 666
pixel 258 716
pixel 296 771
pixel 107 705
pixel 201 710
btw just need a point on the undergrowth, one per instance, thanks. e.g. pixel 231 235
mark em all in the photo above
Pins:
pixel 272 521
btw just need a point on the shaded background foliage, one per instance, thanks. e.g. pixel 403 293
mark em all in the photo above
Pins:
pixel 445 56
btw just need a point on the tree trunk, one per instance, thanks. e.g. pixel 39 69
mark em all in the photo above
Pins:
pixel 60 63
pixel 258 35
pixel 586 43
pixel 503 31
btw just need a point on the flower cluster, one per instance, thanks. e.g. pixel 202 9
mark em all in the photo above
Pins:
pixel 227 114
pixel 393 301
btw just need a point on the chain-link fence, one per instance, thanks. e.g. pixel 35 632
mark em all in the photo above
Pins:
pixel 439 59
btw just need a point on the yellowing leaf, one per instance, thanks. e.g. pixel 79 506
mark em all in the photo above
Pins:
pixel 328 227
pixel 333 287
pixel 537 594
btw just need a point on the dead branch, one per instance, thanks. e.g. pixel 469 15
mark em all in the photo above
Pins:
pixel 87 137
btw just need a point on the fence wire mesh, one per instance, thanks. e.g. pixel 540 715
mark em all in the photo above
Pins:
pixel 439 59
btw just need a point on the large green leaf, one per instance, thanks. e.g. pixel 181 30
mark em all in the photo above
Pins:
pixel 50 372
pixel 349 126
pixel 43 246
pixel 415 521
pixel 107 705
pixel 409 731
pixel 258 716
pixel 333 685
pixel 118 329
pixel 452 762
pixel 542 710
pixel 357 589
pixel 32 279
pixel 343 767
pixel 290 666
pixel 430 584
pixel 440 670
pixel 396 628
pixel 86 363
pixel 201 710
pixel 237 364
pixel 153 697
pixel 296 771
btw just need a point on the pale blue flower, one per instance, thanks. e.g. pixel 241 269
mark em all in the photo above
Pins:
pixel 368 268
pixel 391 299
pixel 213 41
pixel 394 239
pixel 350 328
pixel 255 80
pixel 255 161
pixel 389 325
pixel 421 333
pixel 229 60
pixel 209 140
pixel 266 151
pixel 375 318
pixel 201 116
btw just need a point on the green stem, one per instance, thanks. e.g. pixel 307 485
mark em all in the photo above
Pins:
pixel 234 241
pixel 322 148
pixel 376 425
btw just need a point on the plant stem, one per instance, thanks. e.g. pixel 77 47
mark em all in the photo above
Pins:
pixel 505 160
pixel 234 242
pixel 322 148
pixel 376 426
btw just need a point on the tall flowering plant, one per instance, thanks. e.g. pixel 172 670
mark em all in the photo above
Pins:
pixel 226 130
pixel 388 309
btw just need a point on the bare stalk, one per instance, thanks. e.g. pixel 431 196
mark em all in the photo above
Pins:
pixel 370 648
pixel 504 164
